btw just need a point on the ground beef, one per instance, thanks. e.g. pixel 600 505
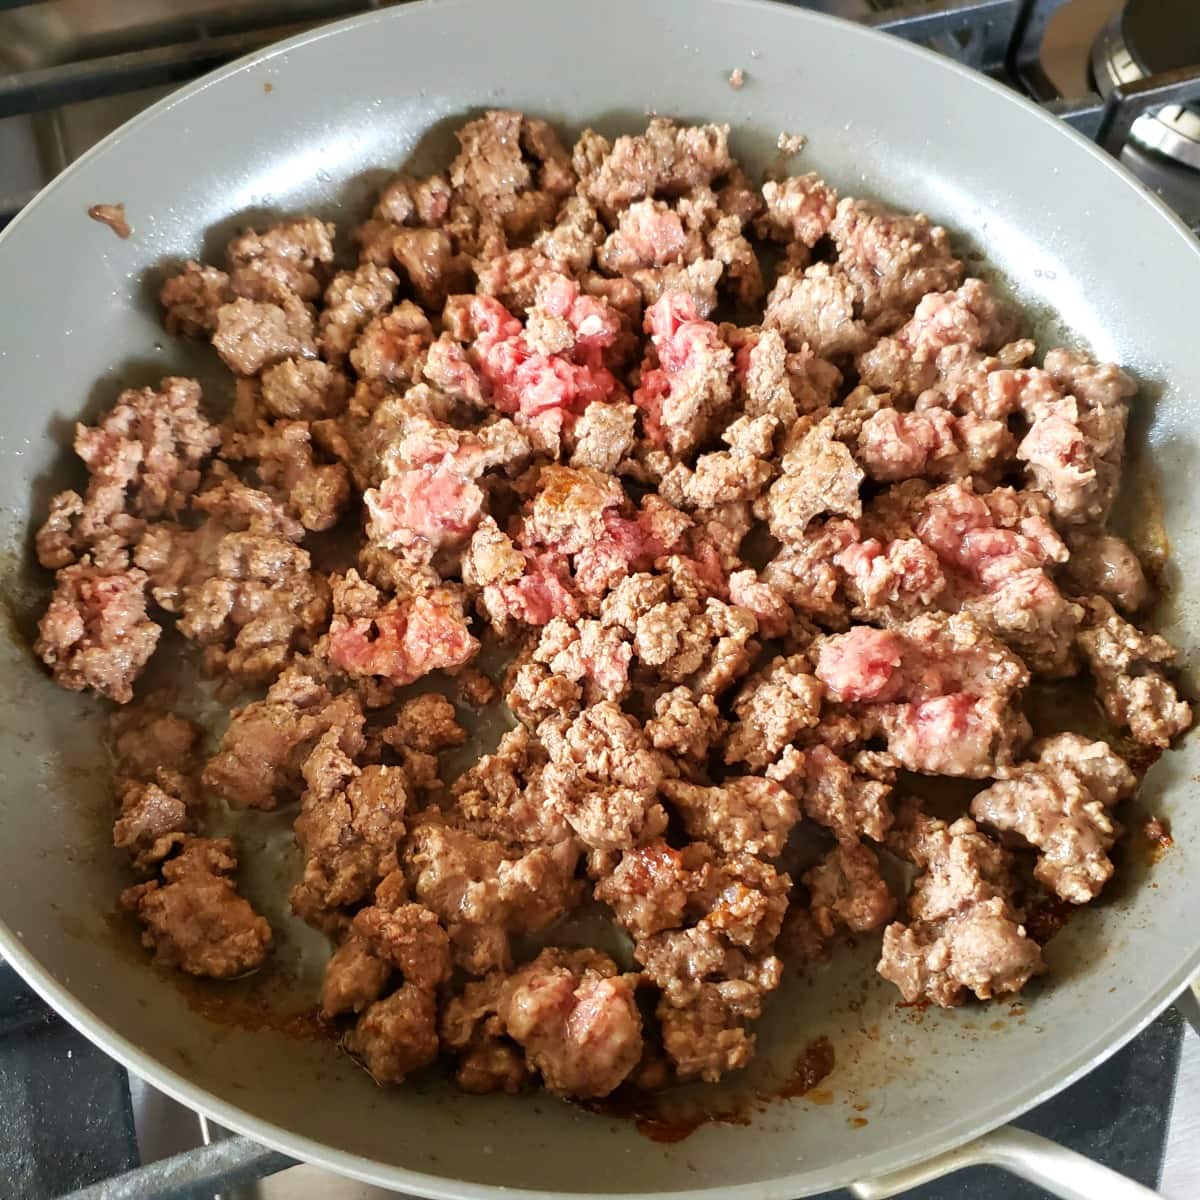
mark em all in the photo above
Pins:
pixel 1060 804
pixel 95 633
pixel 258 762
pixel 745 814
pixel 144 461
pixel 748 575
pixel 576 1020
pixel 847 892
pixel 964 933
pixel 193 917
pixel 397 1035
pixel 1126 665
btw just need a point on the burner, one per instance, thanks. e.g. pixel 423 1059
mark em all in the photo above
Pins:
pixel 1148 37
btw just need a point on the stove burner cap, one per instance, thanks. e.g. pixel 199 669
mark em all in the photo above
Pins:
pixel 1145 38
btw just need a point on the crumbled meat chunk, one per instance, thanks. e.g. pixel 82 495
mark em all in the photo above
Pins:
pixel 771 708
pixel 817 308
pixel 352 299
pixel 282 261
pixel 95 633
pixel 1102 564
pixel 746 814
pixel 193 917
pixel 893 260
pixel 848 892
pixel 258 762
pixel 1126 665
pixel 253 334
pixel 191 299
pixel 576 1019
pixel 819 476
pixel 603 779
pixel 964 933
pixel 397 1035
pixel 1051 804
pixel 303 389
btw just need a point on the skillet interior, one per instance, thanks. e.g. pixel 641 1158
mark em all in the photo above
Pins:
pixel 1070 232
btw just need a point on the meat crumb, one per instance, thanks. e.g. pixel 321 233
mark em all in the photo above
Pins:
pixel 112 215
pixel 737 79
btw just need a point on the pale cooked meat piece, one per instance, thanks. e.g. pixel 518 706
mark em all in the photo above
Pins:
pixel 1075 444
pixel 1126 665
pixel 603 778
pixel 352 299
pixel 819 476
pixel 194 919
pixel 817 308
pixel 668 160
pixel 685 725
pixel 253 334
pixel 576 1019
pixel 744 814
pixel 851 799
pixel 281 262
pixel 95 632
pixel 191 298
pixel 144 459
pixel 847 892
pixel 1051 805
pixel 771 708
pixel 604 435
pixel 893 259
pixel 799 208
pixel 1102 564
pixel 964 933
pixel 304 389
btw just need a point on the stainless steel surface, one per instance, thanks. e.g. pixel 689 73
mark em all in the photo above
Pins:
pixel 1181 1163
pixel 1033 196
pixel 1062 1172
pixel 1173 130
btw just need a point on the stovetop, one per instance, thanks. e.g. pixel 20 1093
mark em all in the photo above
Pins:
pixel 73 70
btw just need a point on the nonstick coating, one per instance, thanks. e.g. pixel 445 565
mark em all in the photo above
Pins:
pixel 314 124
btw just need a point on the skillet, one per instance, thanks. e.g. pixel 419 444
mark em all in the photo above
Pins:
pixel 1083 246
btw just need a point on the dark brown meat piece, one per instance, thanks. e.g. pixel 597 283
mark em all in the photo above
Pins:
pixel 258 762
pixel 603 778
pixel 744 815
pixel 397 1035
pixel 253 334
pixel 281 262
pixel 194 918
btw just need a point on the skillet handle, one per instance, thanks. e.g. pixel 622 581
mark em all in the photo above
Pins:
pixel 1062 1172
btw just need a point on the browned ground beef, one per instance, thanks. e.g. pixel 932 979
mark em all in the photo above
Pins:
pixel 761 532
